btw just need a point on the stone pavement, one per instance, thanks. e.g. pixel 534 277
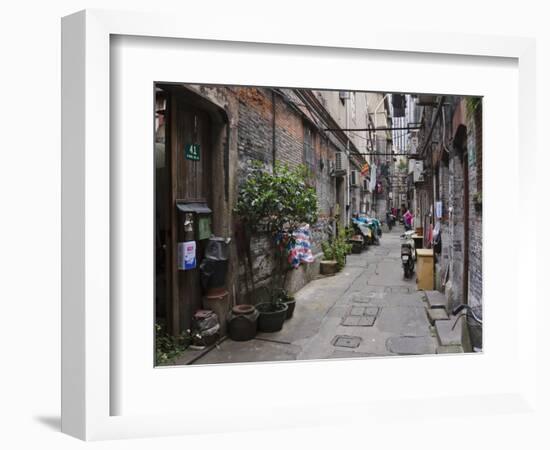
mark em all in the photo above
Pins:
pixel 367 309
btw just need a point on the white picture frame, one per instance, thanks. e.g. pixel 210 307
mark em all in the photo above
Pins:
pixel 87 384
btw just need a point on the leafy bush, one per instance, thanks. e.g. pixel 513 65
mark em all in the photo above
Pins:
pixel 337 248
pixel 277 201
pixel 328 252
pixel 167 347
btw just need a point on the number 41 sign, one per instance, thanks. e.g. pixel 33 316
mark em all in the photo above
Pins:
pixel 193 152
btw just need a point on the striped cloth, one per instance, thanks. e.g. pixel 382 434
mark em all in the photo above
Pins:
pixel 299 249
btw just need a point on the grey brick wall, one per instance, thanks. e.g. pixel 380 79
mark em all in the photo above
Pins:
pixel 255 142
pixel 475 282
pixel 254 135
pixel 456 200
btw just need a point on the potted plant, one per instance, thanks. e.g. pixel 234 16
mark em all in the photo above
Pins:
pixel 289 300
pixel 277 202
pixel 272 314
pixel 341 248
pixel 335 252
pixel 329 265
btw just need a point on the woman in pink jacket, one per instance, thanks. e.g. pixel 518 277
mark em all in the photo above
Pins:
pixel 407 217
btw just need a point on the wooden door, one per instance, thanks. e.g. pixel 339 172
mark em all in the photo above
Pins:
pixel 191 182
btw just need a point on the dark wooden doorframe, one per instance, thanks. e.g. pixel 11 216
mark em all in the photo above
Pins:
pixel 190 181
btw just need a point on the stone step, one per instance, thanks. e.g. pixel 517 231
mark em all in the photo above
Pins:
pixel 437 314
pixel 446 335
pixel 436 299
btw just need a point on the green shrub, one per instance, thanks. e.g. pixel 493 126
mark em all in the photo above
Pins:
pixel 277 201
pixel 168 348
pixel 337 248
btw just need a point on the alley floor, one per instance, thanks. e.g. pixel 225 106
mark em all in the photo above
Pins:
pixel 367 309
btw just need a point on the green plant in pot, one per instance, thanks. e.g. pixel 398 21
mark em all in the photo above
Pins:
pixel 277 202
pixel 289 300
pixel 329 265
pixel 336 250
pixel 272 314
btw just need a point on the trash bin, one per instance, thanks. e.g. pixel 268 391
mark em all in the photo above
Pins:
pixel 214 264
pixel 418 241
pixel 425 269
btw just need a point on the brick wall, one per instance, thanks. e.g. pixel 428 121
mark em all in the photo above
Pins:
pixel 475 282
pixel 255 142
pixel 456 188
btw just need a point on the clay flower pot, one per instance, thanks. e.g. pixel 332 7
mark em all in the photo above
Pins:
pixel 329 267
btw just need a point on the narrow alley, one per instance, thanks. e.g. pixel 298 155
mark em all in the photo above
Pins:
pixel 367 309
pixel 272 215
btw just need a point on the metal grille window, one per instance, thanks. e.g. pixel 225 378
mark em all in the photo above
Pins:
pixel 309 151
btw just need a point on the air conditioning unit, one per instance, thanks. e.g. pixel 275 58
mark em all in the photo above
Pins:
pixel 354 178
pixel 418 172
pixel 340 165
pixel 414 144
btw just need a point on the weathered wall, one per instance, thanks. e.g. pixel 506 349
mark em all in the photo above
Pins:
pixel 475 286
pixel 268 127
pixel 456 191
pixel 444 258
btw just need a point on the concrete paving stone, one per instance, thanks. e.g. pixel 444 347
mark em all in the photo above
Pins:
pixel 398 300
pixel 411 345
pixel 368 288
pixel 337 311
pixel 359 297
pixel 441 349
pixel 403 321
pixel 445 333
pixel 436 299
pixel 358 321
pixel 372 310
pixel 254 350
pixel 351 321
pixel 400 290
pixel 437 314
pixel 357 311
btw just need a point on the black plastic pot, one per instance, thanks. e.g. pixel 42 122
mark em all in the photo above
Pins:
pixel 291 305
pixel 272 317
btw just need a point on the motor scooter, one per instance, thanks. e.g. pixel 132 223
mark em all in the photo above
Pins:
pixel 408 253
pixel 365 231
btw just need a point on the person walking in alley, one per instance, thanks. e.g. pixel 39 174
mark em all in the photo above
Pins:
pixel 407 217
